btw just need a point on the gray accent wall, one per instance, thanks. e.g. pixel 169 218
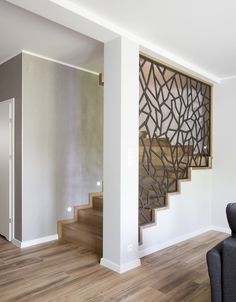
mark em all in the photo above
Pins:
pixel 62 143
pixel 11 87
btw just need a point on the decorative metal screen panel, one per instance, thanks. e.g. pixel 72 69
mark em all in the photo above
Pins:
pixel 174 132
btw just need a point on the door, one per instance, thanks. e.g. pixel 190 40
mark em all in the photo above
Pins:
pixel 6 168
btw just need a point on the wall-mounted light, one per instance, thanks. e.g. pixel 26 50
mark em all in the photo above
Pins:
pixel 100 184
pixel 69 209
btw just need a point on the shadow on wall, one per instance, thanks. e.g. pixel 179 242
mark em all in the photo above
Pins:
pixel 79 138
pixel 69 128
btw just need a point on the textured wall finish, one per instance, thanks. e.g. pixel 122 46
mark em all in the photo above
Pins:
pixel 62 139
pixel 11 87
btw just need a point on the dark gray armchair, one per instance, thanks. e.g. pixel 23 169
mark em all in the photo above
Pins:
pixel 221 261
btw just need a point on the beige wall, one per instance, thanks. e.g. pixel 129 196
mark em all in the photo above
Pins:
pixel 11 87
pixel 62 142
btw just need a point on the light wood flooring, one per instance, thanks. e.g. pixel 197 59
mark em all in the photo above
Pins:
pixel 60 271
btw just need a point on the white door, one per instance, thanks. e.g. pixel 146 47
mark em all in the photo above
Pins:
pixel 6 168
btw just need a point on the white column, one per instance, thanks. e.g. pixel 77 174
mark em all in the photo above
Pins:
pixel 121 128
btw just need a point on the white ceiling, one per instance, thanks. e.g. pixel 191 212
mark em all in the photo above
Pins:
pixel 22 30
pixel 201 32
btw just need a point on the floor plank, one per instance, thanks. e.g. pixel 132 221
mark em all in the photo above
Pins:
pixel 64 271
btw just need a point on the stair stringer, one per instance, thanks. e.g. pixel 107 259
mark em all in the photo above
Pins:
pixel 187 212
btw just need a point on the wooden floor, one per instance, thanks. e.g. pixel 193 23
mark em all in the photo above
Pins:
pixel 60 271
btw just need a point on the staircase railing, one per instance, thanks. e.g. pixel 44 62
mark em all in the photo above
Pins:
pixel 175 132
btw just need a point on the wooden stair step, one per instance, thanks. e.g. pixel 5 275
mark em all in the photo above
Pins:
pixel 91 217
pixel 98 203
pixel 159 171
pixel 182 161
pixel 148 184
pixel 150 216
pixel 84 234
pixel 155 142
pixel 83 227
pixel 165 146
pixel 154 195
pixel 158 174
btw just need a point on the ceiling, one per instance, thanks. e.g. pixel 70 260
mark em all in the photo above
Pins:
pixel 22 30
pixel 201 32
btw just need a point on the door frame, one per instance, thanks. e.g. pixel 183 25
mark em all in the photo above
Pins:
pixel 11 168
pixel 12 171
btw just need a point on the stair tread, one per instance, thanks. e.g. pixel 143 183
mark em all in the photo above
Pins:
pixel 99 197
pixel 98 203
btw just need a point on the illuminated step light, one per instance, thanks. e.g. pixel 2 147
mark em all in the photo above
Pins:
pixel 69 209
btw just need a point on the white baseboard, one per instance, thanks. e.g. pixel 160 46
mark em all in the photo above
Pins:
pixel 28 243
pixel 16 242
pixel 120 268
pixel 221 229
pixel 155 248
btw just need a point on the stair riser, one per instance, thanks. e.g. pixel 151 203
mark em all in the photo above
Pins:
pixel 148 214
pixel 98 203
pixel 90 219
pixel 84 238
pixel 166 150
pixel 183 160
pixel 158 174
pixel 167 161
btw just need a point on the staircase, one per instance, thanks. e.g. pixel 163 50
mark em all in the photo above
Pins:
pixel 161 166
pixel 158 177
pixel 157 180
pixel 175 136
pixel 86 228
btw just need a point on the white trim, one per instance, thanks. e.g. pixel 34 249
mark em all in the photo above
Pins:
pixel 228 78
pixel 58 62
pixel 221 229
pixel 49 59
pixel 92 17
pixel 22 152
pixel 16 242
pixel 11 158
pixel 120 268
pixel 90 24
pixel 161 246
pixel 39 241
pixel 12 168
pixel 28 243
pixel 10 57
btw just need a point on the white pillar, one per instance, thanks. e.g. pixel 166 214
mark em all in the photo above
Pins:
pixel 121 128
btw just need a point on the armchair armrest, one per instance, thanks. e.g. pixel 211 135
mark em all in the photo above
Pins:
pixel 214 263
pixel 229 269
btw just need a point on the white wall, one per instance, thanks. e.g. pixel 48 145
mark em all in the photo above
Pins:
pixel 224 151
pixel 202 202
pixel 121 123
pixel 11 87
pixel 188 214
